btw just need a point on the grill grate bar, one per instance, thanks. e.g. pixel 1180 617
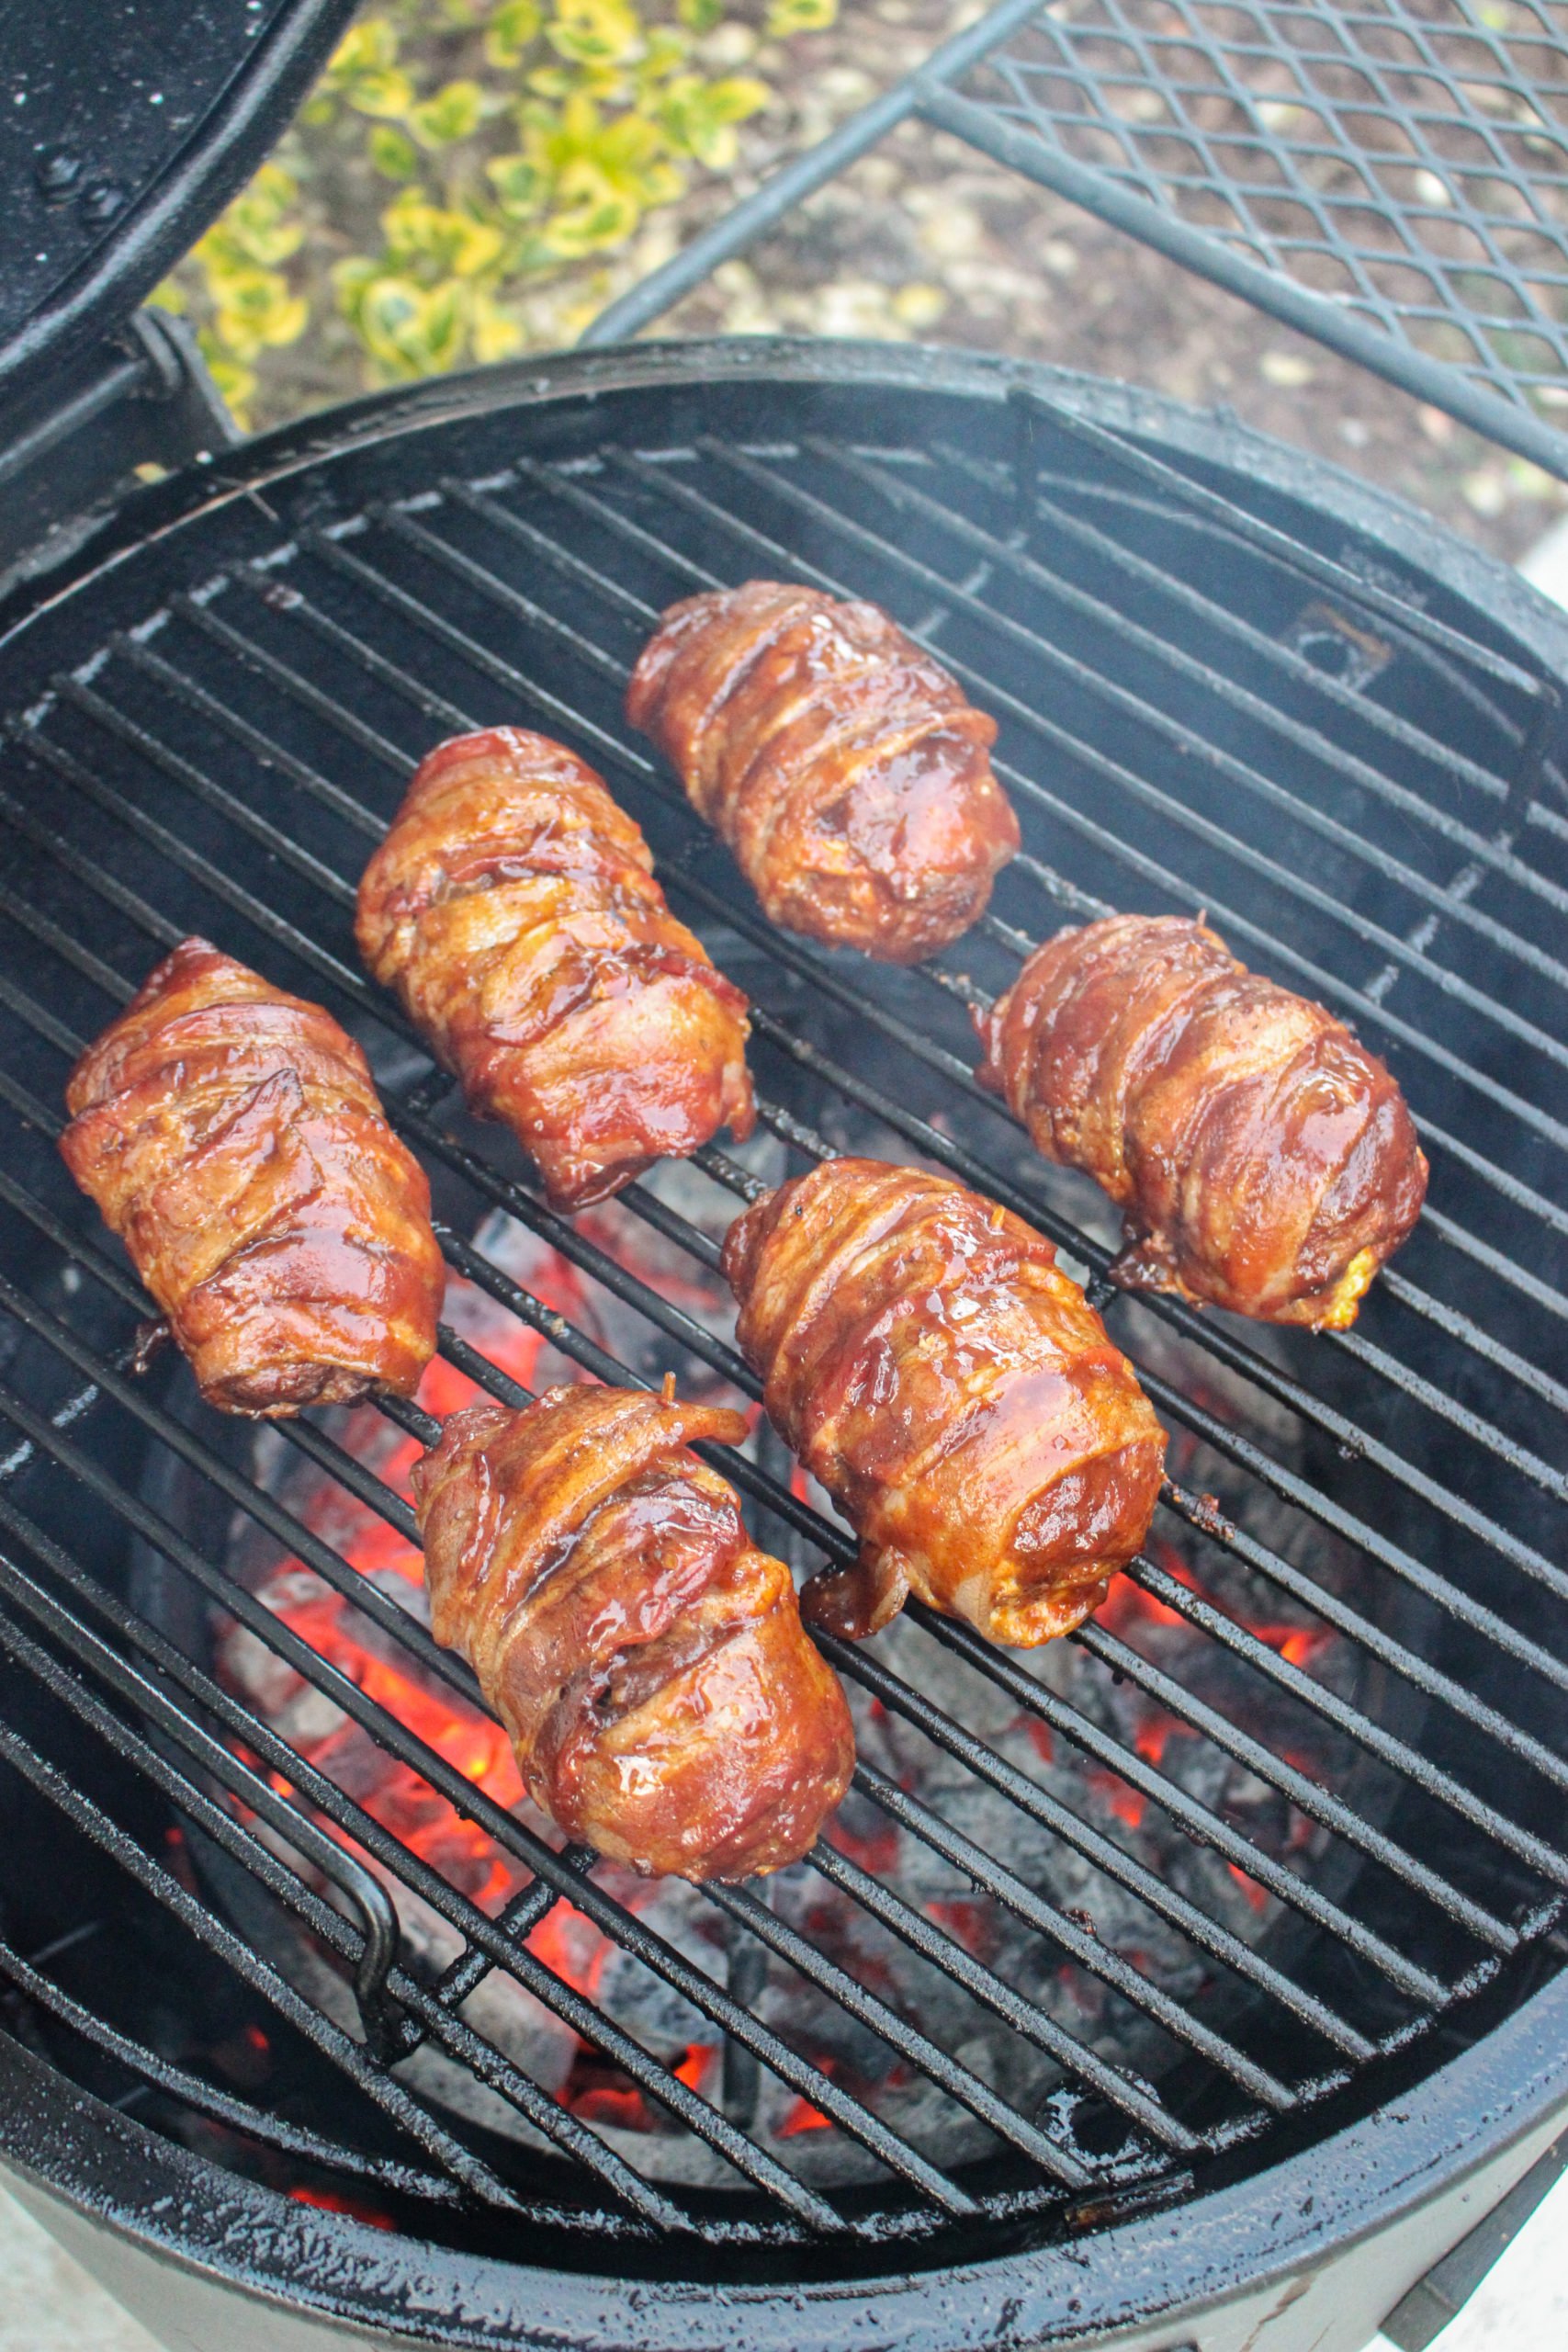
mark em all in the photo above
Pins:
pixel 1472 1425
pixel 557 2123
pixel 478 656
pixel 1128 1873
pixel 96 1824
pixel 1429 1678
pixel 1040 1701
pixel 1121 449
pixel 1272 652
pixel 1323 980
pixel 749 1911
pixel 510 1833
pixel 201 869
pixel 318 787
pixel 298 689
pixel 1471 1245
pixel 204 2098
pixel 1460 1327
pixel 1077 1942
pixel 271 838
pixel 605 1366
pixel 1173 1594
pixel 903 494
pixel 540 544
pixel 1094 1852
pixel 1137 2099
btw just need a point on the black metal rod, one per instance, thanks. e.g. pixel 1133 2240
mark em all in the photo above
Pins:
pixel 206 2099
pixel 212 1932
pixel 302 690
pixel 1075 1939
pixel 1261 651
pixel 862 1666
pixel 1233 1845
pixel 1447 649
pixel 901 2033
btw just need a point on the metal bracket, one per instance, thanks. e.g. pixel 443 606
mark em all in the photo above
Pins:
pixel 1421 2315
pixel 70 448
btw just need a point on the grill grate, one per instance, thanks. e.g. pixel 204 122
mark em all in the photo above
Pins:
pixel 1401 163
pixel 1171 736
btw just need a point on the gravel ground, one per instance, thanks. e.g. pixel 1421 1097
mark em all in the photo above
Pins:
pixel 49 2304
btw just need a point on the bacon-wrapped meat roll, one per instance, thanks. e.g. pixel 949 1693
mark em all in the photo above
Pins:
pixel 1266 1161
pixel 955 1394
pixel 648 1661
pixel 512 907
pixel 843 767
pixel 231 1134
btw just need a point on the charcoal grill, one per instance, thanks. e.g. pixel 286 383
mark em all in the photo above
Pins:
pixel 1226 678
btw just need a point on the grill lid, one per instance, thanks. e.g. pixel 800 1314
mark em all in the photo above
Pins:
pixel 124 130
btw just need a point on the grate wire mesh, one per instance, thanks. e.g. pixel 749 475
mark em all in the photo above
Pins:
pixel 1402 162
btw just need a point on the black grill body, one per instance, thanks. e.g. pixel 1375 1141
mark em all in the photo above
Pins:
pixel 1225 678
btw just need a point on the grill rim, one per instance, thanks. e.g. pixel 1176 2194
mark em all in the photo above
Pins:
pixel 380 419
pixel 1485 2114
pixel 1497 593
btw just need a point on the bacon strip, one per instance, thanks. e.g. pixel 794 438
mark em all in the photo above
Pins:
pixel 955 1394
pixel 648 1661
pixel 513 911
pixel 232 1136
pixel 1265 1161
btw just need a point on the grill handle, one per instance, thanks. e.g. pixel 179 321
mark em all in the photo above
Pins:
pixel 1421 2315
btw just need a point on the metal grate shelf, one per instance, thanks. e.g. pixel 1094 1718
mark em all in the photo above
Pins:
pixel 1390 176
pixel 223 765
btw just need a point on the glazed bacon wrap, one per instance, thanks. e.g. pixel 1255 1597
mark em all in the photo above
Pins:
pixel 513 908
pixel 232 1136
pixel 841 764
pixel 955 1394
pixel 648 1661
pixel 1266 1161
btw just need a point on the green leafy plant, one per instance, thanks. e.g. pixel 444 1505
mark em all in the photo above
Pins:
pixel 456 156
